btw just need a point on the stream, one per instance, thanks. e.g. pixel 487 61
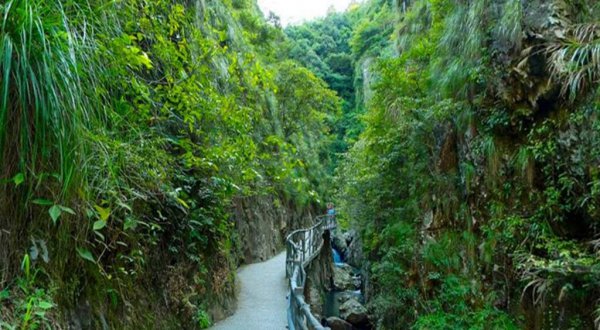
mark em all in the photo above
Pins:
pixel 352 282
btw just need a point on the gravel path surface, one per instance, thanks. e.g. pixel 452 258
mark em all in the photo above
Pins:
pixel 262 304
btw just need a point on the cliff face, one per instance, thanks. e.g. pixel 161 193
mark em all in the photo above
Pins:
pixel 262 224
pixel 260 227
pixel 319 277
pixel 472 185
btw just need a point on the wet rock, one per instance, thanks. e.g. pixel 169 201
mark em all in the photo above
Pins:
pixel 347 295
pixel 448 153
pixel 354 252
pixel 313 297
pixel 81 317
pixel 357 280
pixel 342 278
pixel 335 323
pixel 349 236
pixel 354 312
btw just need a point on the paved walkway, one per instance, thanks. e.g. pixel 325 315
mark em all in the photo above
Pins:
pixel 262 304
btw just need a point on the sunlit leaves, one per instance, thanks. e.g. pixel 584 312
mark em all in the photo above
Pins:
pixel 18 179
pixel 103 212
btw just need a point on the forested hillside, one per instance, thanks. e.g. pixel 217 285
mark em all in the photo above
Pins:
pixel 131 132
pixel 149 148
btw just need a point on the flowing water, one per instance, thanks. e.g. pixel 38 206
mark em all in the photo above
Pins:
pixel 337 258
pixel 334 299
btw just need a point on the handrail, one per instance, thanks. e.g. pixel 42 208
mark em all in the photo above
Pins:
pixel 302 247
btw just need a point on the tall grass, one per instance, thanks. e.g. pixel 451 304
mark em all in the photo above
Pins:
pixel 458 70
pixel 44 108
pixel 509 30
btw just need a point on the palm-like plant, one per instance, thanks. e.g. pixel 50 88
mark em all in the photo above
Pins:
pixel 574 58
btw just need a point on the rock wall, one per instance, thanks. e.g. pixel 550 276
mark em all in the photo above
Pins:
pixel 319 277
pixel 262 223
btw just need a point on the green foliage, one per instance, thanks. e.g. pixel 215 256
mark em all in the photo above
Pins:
pixel 128 129
pixel 575 58
pixel 373 29
pixel 473 183
pixel 488 318
pixel 203 319
pixel 509 29
pixel 323 46
pixel 32 304
pixel 308 105
pixel 43 107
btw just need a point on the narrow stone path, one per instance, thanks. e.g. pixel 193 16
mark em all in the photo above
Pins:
pixel 262 302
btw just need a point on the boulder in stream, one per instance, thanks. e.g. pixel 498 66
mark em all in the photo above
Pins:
pixel 344 296
pixel 343 279
pixel 335 323
pixel 354 312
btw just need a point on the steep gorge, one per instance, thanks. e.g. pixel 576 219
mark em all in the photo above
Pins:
pixel 149 148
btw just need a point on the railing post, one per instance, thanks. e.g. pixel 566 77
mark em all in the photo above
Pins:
pixel 303 249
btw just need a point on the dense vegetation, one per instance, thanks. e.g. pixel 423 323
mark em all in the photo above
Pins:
pixel 127 129
pixel 461 137
pixel 339 48
pixel 323 46
pixel 474 184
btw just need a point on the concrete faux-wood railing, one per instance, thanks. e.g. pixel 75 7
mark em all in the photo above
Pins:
pixel 302 247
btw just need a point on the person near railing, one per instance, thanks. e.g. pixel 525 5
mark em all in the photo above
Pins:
pixel 330 210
